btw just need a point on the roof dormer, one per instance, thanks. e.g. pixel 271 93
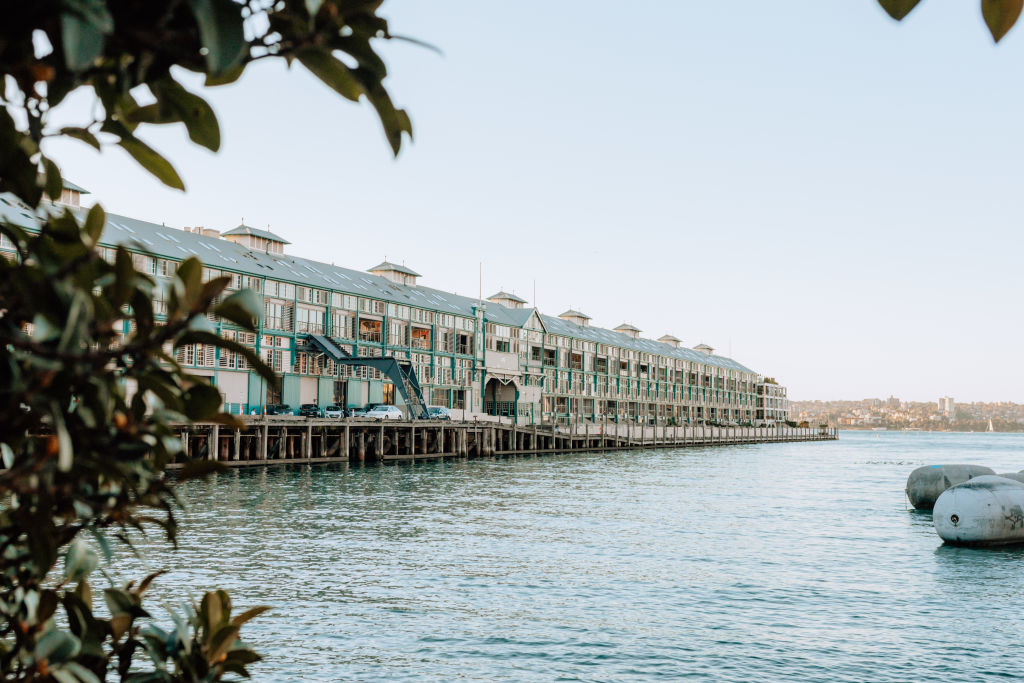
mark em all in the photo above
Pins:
pixel 670 340
pixel 629 330
pixel 705 349
pixel 572 316
pixel 394 272
pixel 256 239
pixel 507 300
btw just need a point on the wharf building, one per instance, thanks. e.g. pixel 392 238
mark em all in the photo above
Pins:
pixel 494 357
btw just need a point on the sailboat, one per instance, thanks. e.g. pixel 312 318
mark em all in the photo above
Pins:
pixel 990 428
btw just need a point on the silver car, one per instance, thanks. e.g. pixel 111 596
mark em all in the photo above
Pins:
pixel 385 413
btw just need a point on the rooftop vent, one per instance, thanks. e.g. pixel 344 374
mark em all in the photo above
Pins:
pixel 704 348
pixel 670 340
pixel 507 300
pixel 205 232
pixel 629 330
pixel 572 316
pixel 394 272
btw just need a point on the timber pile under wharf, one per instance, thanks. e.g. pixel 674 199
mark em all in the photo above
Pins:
pixel 276 440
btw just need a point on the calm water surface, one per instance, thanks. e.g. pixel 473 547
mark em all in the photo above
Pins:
pixel 750 563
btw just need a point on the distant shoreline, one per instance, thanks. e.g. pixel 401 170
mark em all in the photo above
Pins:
pixel 927 431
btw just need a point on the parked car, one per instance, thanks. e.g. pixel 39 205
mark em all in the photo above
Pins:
pixel 309 410
pixel 357 412
pixel 438 413
pixel 334 412
pixel 385 413
pixel 279 409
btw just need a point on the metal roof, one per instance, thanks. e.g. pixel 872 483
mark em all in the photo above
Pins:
pixel 505 295
pixel 626 327
pixel 613 338
pixel 668 338
pixel 387 266
pixel 177 244
pixel 68 185
pixel 244 229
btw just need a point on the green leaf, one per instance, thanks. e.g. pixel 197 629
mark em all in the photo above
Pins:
pixel 249 614
pixel 898 9
pixel 94 223
pixel 174 103
pixel 81 673
pixel 201 401
pixel 199 469
pixel 221 642
pixel 83 25
pixel 242 308
pixel 1000 15
pixel 54 183
pixel 331 71
pixel 150 160
pixel 220 27
pixel 80 561
pixel 81 134
pixel 190 273
pixel 57 646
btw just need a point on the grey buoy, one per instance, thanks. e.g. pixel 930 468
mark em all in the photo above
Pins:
pixel 926 484
pixel 987 510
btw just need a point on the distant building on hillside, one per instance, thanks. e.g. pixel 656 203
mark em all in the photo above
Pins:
pixel 947 406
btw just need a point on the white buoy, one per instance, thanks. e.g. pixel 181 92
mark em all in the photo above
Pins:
pixel 987 510
pixel 925 484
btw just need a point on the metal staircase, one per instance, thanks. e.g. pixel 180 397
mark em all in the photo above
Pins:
pixel 400 372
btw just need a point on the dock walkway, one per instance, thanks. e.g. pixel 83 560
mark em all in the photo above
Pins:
pixel 287 439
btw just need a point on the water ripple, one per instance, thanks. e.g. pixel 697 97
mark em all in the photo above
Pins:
pixel 751 563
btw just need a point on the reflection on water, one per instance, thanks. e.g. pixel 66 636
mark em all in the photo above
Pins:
pixel 773 562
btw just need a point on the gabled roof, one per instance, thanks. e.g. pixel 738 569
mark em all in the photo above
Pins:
pixel 574 314
pixel 244 229
pixel 626 327
pixel 386 266
pixel 668 338
pixel 505 295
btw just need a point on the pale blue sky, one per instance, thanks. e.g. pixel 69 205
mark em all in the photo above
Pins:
pixel 832 195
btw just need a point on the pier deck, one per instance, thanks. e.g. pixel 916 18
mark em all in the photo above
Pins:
pixel 286 439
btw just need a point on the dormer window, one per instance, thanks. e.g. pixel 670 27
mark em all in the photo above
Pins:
pixel 507 300
pixel 575 317
pixel 256 239
pixel 395 273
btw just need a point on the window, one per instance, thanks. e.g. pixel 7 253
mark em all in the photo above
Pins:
pixel 144 264
pixel 421 338
pixel 277 315
pixel 310 320
pixel 398 333
pixel 343 325
pixel 166 268
pixel 464 344
pixel 535 353
pixel 370 331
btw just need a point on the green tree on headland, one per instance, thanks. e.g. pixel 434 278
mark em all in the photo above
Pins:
pixel 89 386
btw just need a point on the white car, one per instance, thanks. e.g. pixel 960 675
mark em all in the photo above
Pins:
pixel 385 413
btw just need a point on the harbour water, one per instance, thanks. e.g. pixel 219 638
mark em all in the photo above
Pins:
pixel 747 563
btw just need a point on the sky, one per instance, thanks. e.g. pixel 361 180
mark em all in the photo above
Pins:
pixel 830 197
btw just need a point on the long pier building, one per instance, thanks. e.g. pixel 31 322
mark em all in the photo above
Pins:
pixel 478 357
